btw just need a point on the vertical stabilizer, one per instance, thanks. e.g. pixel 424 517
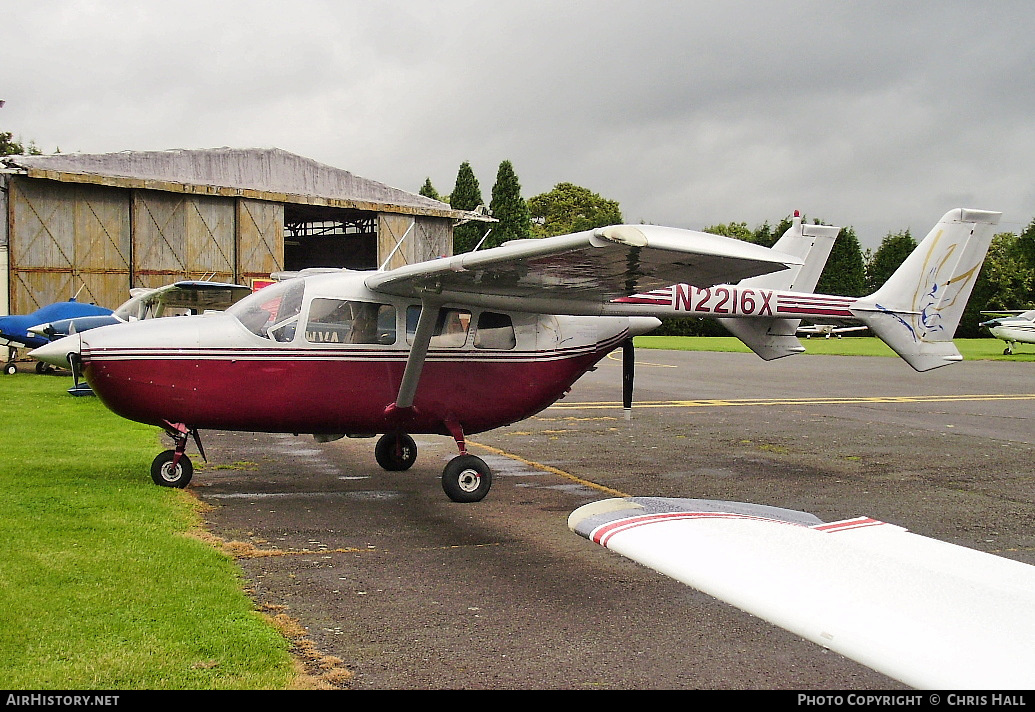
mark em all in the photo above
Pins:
pixel 917 310
pixel 775 338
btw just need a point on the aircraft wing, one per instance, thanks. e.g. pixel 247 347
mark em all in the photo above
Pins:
pixel 928 613
pixel 578 273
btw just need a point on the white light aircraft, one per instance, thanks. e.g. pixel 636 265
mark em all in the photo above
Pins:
pixel 463 344
pixel 827 330
pixel 1013 327
pixel 930 614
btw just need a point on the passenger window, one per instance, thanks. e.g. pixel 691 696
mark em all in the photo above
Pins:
pixel 450 329
pixel 495 331
pixel 337 321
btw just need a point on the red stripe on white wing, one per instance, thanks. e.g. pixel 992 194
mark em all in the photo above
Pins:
pixel 604 532
pixel 845 525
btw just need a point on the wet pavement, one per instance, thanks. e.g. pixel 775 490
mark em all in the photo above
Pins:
pixel 411 590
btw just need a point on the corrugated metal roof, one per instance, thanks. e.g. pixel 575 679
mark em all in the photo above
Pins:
pixel 261 173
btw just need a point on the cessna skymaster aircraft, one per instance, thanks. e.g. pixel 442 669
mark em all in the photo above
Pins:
pixel 463 344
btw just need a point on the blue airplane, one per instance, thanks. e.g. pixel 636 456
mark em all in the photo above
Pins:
pixel 15 329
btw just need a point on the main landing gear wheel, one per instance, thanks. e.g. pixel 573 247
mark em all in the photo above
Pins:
pixel 466 478
pixel 164 474
pixel 10 369
pixel 395 452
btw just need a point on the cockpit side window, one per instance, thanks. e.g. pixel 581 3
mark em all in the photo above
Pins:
pixel 272 312
pixel 339 321
pixel 495 331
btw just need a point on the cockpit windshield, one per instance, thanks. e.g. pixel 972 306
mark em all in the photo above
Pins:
pixel 272 312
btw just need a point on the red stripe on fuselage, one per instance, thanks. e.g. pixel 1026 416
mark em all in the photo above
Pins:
pixel 311 391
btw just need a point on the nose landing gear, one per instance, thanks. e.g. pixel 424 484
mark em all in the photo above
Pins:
pixel 173 468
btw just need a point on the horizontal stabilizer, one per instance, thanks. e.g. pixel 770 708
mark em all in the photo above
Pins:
pixel 768 338
pixel 775 338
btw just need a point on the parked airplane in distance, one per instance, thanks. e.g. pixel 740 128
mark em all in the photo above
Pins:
pixel 925 612
pixel 827 330
pixel 177 299
pixel 16 330
pixel 193 297
pixel 463 344
pixel 1013 327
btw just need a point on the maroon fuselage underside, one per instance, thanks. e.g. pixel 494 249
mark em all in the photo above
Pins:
pixel 296 395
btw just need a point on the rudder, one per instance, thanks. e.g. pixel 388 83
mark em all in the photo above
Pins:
pixel 917 310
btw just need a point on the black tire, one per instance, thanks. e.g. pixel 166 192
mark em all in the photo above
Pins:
pixel 162 470
pixel 395 452
pixel 10 369
pixel 466 478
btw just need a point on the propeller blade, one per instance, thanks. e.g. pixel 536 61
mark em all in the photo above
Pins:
pixel 628 373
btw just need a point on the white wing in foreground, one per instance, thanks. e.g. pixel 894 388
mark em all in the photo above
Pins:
pixel 578 273
pixel 930 614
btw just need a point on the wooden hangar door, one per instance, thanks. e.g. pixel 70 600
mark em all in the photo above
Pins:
pixel 412 238
pixel 178 236
pixel 67 240
pixel 260 240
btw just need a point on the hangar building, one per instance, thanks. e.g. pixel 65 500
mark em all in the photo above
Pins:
pixel 98 225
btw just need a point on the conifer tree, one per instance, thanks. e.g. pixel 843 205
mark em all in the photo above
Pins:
pixel 428 190
pixel 509 208
pixel 466 195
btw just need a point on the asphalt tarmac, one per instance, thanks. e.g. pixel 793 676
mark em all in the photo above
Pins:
pixel 413 591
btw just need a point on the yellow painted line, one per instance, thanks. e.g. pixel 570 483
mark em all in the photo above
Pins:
pixel 720 402
pixel 547 468
pixel 642 363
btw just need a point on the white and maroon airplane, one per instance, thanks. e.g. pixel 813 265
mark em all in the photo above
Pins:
pixel 464 344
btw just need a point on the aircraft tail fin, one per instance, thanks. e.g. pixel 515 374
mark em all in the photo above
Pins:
pixel 917 310
pixel 775 338
pixel 812 243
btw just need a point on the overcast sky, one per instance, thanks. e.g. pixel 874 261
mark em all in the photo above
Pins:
pixel 881 116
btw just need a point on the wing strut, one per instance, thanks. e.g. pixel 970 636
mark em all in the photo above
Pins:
pixel 418 355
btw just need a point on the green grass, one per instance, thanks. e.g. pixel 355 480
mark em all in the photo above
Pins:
pixel 101 584
pixel 972 349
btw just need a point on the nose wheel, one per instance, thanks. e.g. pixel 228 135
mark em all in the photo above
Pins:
pixel 173 468
pixel 169 471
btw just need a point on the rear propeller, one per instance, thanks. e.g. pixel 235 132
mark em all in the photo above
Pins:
pixel 628 373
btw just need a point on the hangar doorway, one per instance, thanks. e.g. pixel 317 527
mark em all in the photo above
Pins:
pixel 320 236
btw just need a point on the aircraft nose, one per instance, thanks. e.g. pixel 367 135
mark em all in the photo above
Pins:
pixel 56 352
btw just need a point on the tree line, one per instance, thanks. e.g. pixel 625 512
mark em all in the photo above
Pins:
pixel 1006 281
